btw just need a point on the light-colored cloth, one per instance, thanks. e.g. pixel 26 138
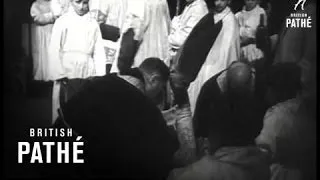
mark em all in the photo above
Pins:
pixel 115 12
pixel 151 23
pixel 60 7
pixel 134 81
pixel 230 163
pixel 249 21
pixel 289 130
pixel 181 119
pixel 187 151
pixel 224 51
pixel 43 19
pixel 182 25
pixel 76 51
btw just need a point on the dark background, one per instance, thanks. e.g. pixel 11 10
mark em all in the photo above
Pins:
pixel 27 104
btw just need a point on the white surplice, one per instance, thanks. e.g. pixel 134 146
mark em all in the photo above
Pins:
pixel 60 7
pixel 76 51
pixel 43 20
pixel 43 13
pixel 224 51
pixel 151 23
pixel 182 25
pixel 249 21
pixel 115 11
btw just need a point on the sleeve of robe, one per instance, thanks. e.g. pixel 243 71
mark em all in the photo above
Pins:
pixel 181 32
pixel 132 33
pixel 55 68
pixel 136 19
pixel 39 17
pixel 99 55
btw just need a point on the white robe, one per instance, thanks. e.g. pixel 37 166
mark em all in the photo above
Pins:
pixel 224 51
pixel 115 11
pixel 151 23
pixel 249 21
pixel 182 25
pixel 43 19
pixel 60 7
pixel 76 51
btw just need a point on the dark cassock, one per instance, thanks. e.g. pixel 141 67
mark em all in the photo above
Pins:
pixel 191 56
pixel 124 132
pixel 230 122
pixel 228 119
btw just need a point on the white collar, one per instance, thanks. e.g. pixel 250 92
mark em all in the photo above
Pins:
pixel 133 81
pixel 221 15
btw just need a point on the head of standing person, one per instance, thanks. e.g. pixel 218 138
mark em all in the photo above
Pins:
pixel 81 7
pixel 250 4
pixel 155 74
pixel 221 5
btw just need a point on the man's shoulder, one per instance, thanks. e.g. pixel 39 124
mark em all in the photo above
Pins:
pixel 260 10
pixel 200 5
pixel 230 17
pixel 64 18
pixel 215 80
pixel 211 88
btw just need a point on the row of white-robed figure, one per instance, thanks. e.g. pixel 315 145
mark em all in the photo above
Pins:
pixel 69 45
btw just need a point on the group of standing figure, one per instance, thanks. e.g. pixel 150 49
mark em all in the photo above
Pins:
pixel 212 68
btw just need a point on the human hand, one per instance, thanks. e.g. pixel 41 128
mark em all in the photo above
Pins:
pixel 56 10
pixel 98 16
pixel 170 115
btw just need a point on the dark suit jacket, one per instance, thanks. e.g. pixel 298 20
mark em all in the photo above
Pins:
pixel 125 133
pixel 235 121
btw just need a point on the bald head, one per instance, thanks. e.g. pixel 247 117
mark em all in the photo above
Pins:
pixel 239 78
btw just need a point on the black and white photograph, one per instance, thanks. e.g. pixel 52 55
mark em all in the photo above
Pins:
pixel 160 89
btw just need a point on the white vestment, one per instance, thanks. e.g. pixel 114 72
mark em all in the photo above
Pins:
pixel 43 20
pixel 182 25
pixel 249 21
pixel 43 14
pixel 76 51
pixel 115 11
pixel 60 7
pixel 224 51
pixel 151 23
